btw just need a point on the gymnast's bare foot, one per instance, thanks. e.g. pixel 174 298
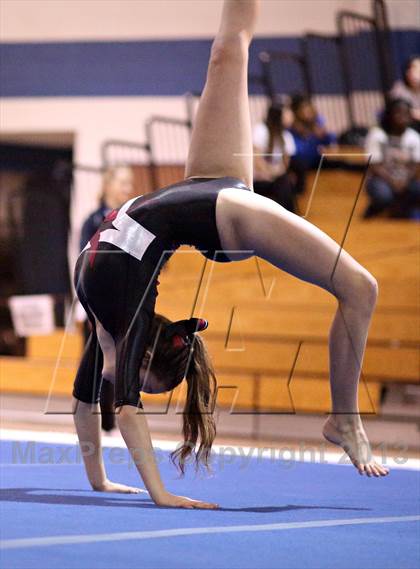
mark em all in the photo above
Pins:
pixel 347 431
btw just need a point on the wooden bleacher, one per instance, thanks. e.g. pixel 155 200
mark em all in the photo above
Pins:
pixel 276 322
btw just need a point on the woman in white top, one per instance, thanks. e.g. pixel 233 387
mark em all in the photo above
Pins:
pixel 395 158
pixel 273 147
pixel 409 89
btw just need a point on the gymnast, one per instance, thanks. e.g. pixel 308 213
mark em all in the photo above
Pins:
pixel 215 210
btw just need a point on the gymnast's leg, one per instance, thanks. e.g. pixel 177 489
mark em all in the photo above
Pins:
pixel 221 146
pixel 300 248
pixel 221 143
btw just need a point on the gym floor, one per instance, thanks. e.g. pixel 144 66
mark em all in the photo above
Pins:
pixel 278 511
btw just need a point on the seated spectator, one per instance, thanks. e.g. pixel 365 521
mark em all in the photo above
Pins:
pixel 310 136
pixel 272 148
pixel 118 187
pixel 308 130
pixel 395 159
pixel 409 89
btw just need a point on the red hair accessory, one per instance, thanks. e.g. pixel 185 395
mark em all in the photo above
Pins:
pixel 182 331
pixel 178 341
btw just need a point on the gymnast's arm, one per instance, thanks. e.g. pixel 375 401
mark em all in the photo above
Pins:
pixel 135 432
pixel 87 419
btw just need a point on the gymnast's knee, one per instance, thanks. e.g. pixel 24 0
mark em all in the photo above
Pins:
pixel 360 291
pixel 83 408
pixel 229 49
pixel 127 409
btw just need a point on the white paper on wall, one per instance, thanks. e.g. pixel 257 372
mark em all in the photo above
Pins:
pixel 32 314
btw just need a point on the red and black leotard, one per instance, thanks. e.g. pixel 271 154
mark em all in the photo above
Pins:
pixel 116 274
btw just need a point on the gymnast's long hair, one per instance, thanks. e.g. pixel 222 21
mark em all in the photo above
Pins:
pixel 177 353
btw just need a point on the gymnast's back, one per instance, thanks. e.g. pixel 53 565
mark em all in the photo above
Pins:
pixel 185 213
pixel 133 243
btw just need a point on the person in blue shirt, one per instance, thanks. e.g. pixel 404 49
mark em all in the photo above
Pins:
pixel 310 137
pixel 309 131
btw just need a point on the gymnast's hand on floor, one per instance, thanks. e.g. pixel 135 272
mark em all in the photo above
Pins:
pixel 109 486
pixel 173 501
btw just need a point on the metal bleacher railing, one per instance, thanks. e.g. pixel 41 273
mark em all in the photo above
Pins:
pixel 134 154
pixel 284 72
pixel 326 85
pixel 156 162
pixel 383 33
pixel 348 75
pixel 168 141
pixel 361 63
